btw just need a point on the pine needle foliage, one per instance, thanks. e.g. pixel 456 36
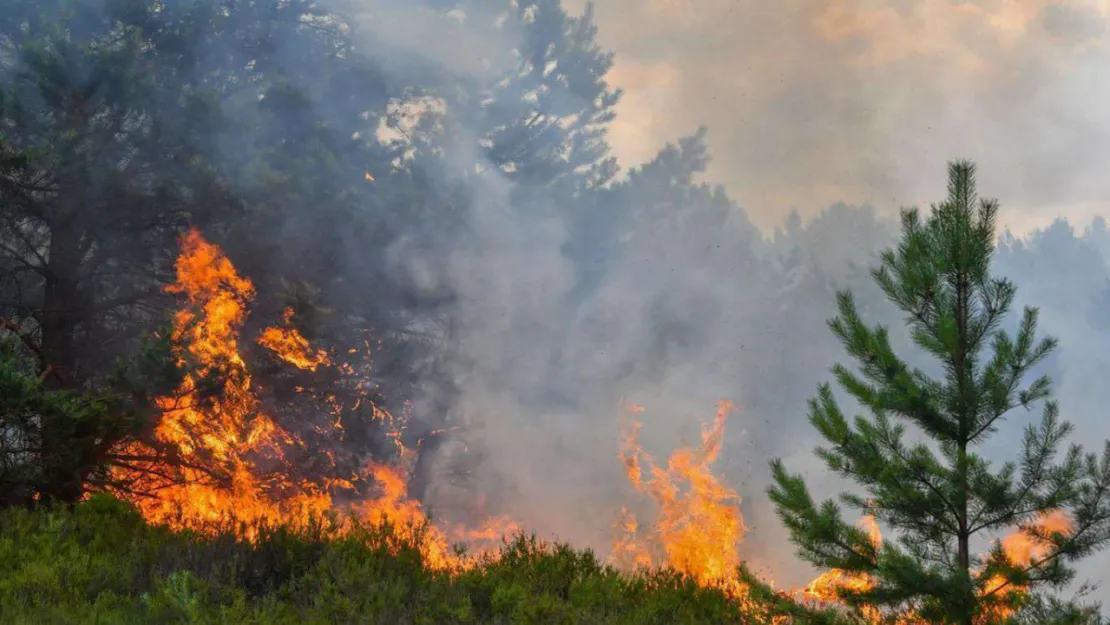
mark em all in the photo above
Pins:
pixel 917 453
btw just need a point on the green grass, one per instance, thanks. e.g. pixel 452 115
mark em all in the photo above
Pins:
pixel 102 563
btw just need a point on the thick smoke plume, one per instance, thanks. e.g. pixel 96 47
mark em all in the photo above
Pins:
pixel 697 304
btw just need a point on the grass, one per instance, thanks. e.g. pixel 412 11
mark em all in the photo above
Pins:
pixel 102 563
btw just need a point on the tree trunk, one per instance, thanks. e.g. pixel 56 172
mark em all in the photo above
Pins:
pixel 422 472
pixel 964 539
pixel 62 455
pixel 966 412
pixel 60 306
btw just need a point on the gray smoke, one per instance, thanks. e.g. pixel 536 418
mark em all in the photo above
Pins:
pixel 807 104
pixel 858 100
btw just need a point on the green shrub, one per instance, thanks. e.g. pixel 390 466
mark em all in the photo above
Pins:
pixel 102 563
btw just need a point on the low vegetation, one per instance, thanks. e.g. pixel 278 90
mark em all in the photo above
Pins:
pixel 102 563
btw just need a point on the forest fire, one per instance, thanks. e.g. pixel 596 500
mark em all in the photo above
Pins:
pixel 231 456
pixel 700 527
pixel 216 432
pixel 698 531
pixel 230 462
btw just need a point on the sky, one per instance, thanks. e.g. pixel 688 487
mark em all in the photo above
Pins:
pixel 863 101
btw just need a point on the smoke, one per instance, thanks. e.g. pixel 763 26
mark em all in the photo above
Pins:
pixel 858 100
pixel 807 104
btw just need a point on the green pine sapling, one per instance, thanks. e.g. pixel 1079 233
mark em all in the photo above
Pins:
pixel 943 500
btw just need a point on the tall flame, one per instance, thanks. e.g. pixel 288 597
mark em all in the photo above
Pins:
pixel 213 423
pixel 699 527
pixel 221 457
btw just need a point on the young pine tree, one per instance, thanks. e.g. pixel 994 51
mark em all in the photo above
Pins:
pixel 944 501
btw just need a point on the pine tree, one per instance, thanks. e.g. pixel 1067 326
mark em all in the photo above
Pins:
pixel 942 499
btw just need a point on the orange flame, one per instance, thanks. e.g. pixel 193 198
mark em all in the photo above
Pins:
pixel 1020 547
pixel 1024 549
pixel 825 587
pixel 228 457
pixel 213 423
pixel 407 518
pixel 288 344
pixel 228 460
pixel 698 531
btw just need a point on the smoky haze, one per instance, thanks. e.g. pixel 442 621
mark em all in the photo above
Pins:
pixel 708 298
pixel 857 100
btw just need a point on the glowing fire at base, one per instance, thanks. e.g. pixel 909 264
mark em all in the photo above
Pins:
pixel 1021 549
pixel 698 531
pixel 824 588
pixel 217 457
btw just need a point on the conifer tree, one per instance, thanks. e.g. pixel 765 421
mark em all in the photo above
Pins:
pixel 917 455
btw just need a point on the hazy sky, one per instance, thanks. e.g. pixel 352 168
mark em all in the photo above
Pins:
pixel 812 101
